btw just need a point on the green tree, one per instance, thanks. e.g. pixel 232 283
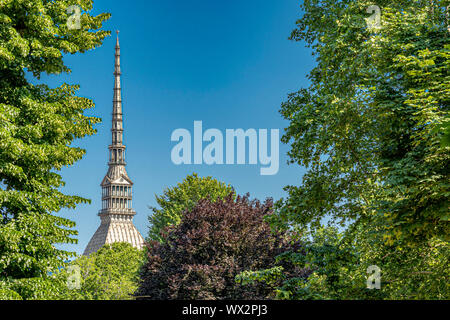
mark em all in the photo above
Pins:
pixel 337 268
pixel 369 130
pixel 111 273
pixel 183 197
pixel 37 126
pixel 331 267
pixel 366 127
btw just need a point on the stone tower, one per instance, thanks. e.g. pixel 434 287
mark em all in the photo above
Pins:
pixel 116 214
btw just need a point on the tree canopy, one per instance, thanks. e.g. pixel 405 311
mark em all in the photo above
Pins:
pixel 369 130
pixel 184 196
pixel 366 127
pixel 111 273
pixel 37 127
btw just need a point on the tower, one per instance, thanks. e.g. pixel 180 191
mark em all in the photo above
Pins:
pixel 116 215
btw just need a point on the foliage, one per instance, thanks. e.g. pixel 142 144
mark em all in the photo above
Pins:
pixel 212 244
pixel 365 127
pixel 370 130
pixel 176 200
pixel 37 288
pixel 111 273
pixel 337 269
pixel 324 261
pixel 37 126
pixel 8 294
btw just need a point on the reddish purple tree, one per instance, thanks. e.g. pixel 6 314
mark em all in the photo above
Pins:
pixel 214 242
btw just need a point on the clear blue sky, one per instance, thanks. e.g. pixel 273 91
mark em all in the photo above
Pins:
pixel 226 63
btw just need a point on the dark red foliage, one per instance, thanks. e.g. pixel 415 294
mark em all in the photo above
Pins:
pixel 214 242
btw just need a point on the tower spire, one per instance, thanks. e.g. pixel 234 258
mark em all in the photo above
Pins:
pixel 117 213
pixel 117 149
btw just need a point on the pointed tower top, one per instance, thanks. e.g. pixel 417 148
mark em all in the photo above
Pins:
pixel 117 39
pixel 117 61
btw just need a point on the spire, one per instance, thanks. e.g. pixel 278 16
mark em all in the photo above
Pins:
pixel 117 149
pixel 117 56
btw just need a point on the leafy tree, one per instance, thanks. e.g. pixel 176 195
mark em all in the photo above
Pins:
pixel 366 127
pixel 329 266
pixel 37 126
pixel 38 288
pixel 337 268
pixel 407 272
pixel 212 244
pixel 176 200
pixel 370 130
pixel 111 273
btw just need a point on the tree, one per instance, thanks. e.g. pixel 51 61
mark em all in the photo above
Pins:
pixel 329 264
pixel 366 127
pixel 215 241
pixel 369 130
pixel 37 126
pixel 337 268
pixel 176 200
pixel 111 273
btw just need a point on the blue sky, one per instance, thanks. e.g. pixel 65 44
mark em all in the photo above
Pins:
pixel 226 63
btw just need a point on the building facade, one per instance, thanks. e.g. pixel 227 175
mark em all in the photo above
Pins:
pixel 116 215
